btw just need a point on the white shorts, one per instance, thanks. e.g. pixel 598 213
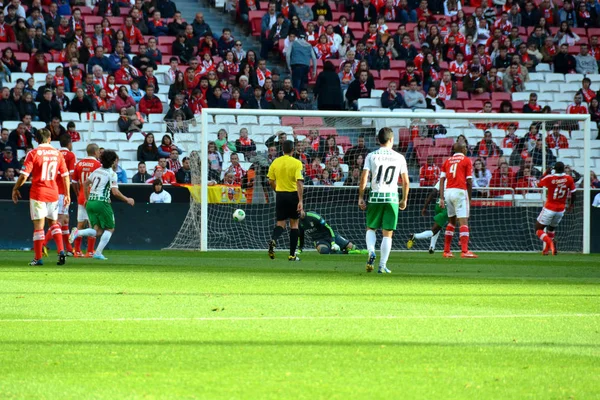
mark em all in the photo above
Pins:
pixel 81 213
pixel 549 217
pixel 41 210
pixel 457 202
pixel 62 210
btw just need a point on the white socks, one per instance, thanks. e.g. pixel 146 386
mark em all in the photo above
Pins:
pixel 86 232
pixel 424 235
pixel 103 241
pixel 386 248
pixel 434 239
pixel 371 240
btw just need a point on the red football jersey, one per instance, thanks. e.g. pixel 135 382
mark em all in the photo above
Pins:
pixel 457 169
pixel 558 185
pixel 577 109
pixel 43 165
pixel 70 160
pixel 82 171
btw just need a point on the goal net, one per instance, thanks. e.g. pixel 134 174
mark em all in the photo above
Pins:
pixel 236 147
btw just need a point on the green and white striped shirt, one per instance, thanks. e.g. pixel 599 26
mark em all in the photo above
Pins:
pixel 103 180
pixel 386 167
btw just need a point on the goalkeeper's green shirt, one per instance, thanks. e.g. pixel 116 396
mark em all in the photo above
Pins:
pixel 315 227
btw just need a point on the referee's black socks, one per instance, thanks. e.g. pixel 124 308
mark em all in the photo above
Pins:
pixel 277 232
pixel 293 241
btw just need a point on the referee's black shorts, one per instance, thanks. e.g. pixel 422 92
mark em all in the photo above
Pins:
pixel 286 205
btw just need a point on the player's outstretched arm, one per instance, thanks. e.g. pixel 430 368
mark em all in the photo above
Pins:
pixel 16 195
pixel 364 178
pixel 117 193
pixel 405 190
pixel 432 195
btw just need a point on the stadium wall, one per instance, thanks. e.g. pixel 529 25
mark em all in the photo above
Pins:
pixel 153 226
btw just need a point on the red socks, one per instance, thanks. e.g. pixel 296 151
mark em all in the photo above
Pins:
pixel 449 235
pixel 544 238
pixel 91 244
pixel 65 236
pixel 57 236
pixel 38 243
pixel 464 238
pixel 77 244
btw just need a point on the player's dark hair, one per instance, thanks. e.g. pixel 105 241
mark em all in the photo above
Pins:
pixel 64 140
pixel 288 146
pixel 559 167
pixel 42 135
pixel 108 158
pixel 384 135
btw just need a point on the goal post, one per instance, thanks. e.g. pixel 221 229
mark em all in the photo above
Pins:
pixel 209 224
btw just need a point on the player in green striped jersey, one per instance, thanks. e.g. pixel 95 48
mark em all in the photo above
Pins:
pixel 97 189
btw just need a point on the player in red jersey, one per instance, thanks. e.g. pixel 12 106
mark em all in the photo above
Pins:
pixel 83 169
pixel 559 185
pixel 42 165
pixel 66 148
pixel 456 183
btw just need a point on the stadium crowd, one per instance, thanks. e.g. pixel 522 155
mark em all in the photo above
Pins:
pixel 143 59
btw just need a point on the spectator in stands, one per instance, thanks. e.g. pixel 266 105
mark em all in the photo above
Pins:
pixel 257 102
pixel 9 160
pixel 4 139
pixel 178 104
pixel 184 174
pixel 530 15
pixel 555 139
pixel 217 100
pixel 149 79
pixel 587 93
pixel 503 61
pixel 148 151
pixel 564 63
pixel 414 98
pixel 56 129
pixel 223 144
pixel 458 68
pixel 153 52
pixel 162 173
pixel 354 152
pixel 353 178
pixel 72 132
pixel 346 75
pixel 566 15
pixel 236 169
pixel 481 175
pixel 433 101
pixel 595 183
pixel 52 43
pixel 503 177
pixel 364 11
pixel 446 88
pixel 278 31
pixel 532 107
pixel 298 59
pixel 132 34
pixel 538 157
pixel 142 175
pixel 429 173
pixel 102 102
pixel 513 80
pixel 173 163
pixel 129 121
pixel 577 177
pixel 391 98
pixel 279 102
pixel 150 103
pixel 109 8
pixel 321 7
pixel 9 175
pixel 98 59
pixel 244 144
pixel 325 178
pixel 37 64
pixel 281 137
pixel 81 104
pixel 577 107
pixel 594 111
pixel 48 108
pixel 487 147
pixel 20 138
pixel 200 27
pixel 475 83
pixel 510 139
pixel 584 62
pixel 28 106
pixel 157 26
pixel 215 162
pixel 380 61
pixel 361 89
pixel 10 60
pixel 303 103
pixel 48 85
pixel 225 42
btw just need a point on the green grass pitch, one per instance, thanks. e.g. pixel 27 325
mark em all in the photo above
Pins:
pixel 237 325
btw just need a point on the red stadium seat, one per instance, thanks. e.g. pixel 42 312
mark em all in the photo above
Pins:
pixel 444 142
pixel 86 11
pixel 381 84
pixel 328 132
pixel 291 121
pixel 491 163
pixel 313 121
pixel 473 104
pixel 389 74
pixel 422 142
pixel 165 49
pixel 344 141
pixel 166 40
pixel 481 96
pixel 336 62
pixel 393 27
pixel 398 65
pixel 439 154
pixel 91 20
pixel 518 106
pixel 116 22
pixel 356 28
pixel 497 96
pixel 303 132
pixel 333 5
pixel 375 73
pixel 11 45
pixel 462 96
pixel 403 139
pixel 454 104
pixel 22 56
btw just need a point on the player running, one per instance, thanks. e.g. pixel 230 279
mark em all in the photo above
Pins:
pixel 42 165
pixel 285 177
pixel 386 167
pixel 66 148
pixel 325 240
pixel 83 170
pixel 559 185
pixel 439 221
pixel 97 189
pixel 456 183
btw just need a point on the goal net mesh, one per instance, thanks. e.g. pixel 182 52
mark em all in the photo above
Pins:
pixel 503 211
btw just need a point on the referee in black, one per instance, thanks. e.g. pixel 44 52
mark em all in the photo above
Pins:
pixel 285 177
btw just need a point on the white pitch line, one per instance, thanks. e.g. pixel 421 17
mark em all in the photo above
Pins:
pixel 308 318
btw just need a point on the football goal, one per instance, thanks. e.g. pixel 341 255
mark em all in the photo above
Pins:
pixel 510 151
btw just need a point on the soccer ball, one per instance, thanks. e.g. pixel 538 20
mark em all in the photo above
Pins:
pixel 239 215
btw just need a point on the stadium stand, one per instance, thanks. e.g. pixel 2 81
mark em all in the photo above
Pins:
pixel 98 64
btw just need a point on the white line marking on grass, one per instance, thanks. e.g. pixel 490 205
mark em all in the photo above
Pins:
pixel 308 318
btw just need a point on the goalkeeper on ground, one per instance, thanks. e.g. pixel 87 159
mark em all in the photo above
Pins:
pixel 325 240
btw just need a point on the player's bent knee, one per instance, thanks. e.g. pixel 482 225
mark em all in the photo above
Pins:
pixel 323 249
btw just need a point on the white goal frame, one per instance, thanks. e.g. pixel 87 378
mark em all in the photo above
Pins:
pixel 208 114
